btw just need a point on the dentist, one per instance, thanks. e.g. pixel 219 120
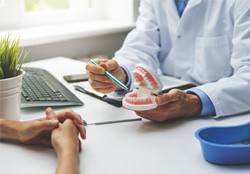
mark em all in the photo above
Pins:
pixel 205 42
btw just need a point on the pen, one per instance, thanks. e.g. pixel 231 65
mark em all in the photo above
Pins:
pixel 111 77
pixel 112 122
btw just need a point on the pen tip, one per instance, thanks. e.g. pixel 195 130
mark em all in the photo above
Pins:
pixel 125 88
pixel 84 123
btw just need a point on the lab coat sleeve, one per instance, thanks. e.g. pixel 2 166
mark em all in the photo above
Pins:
pixel 142 43
pixel 231 95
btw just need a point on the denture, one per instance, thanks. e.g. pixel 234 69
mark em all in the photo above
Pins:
pixel 148 84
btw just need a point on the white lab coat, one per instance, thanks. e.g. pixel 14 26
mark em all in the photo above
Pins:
pixel 209 45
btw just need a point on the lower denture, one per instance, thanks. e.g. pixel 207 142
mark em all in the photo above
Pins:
pixel 133 98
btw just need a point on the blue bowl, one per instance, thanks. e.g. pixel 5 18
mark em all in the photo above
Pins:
pixel 225 145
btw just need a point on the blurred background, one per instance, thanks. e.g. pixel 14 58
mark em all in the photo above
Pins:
pixel 77 29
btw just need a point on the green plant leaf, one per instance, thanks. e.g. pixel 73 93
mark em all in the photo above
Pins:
pixel 11 57
pixel 1 73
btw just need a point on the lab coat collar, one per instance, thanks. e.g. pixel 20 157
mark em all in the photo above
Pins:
pixel 170 5
pixel 191 4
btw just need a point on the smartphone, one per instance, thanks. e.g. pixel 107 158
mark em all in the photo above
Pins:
pixel 75 78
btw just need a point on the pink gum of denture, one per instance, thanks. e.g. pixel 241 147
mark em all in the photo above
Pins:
pixel 148 84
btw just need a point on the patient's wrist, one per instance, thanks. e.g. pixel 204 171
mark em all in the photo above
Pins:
pixel 68 152
pixel 67 147
pixel 9 129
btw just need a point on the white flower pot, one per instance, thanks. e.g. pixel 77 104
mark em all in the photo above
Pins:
pixel 10 97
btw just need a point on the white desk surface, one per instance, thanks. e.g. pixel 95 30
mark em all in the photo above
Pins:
pixel 140 147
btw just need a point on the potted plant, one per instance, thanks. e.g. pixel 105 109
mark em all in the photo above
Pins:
pixel 11 73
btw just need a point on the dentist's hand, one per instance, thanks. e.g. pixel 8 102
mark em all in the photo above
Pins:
pixel 172 105
pixel 97 78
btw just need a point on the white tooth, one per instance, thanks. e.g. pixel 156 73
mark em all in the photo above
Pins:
pixel 141 74
pixel 148 82
pixel 150 85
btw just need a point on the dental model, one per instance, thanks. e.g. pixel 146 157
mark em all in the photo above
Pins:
pixel 149 85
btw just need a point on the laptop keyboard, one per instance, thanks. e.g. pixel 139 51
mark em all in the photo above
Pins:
pixel 40 88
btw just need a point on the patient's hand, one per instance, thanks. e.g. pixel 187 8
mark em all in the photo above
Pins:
pixel 67 146
pixel 62 116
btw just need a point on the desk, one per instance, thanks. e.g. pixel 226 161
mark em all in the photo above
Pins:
pixel 140 147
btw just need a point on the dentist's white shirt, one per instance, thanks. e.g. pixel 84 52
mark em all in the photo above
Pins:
pixel 209 45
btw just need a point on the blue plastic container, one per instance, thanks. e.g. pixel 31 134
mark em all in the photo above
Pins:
pixel 225 145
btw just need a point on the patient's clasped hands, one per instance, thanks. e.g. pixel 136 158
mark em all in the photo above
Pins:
pixel 39 131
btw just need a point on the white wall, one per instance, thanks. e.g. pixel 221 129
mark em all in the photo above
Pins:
pixel 106 44
pixel 85 47
pixel 117 10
